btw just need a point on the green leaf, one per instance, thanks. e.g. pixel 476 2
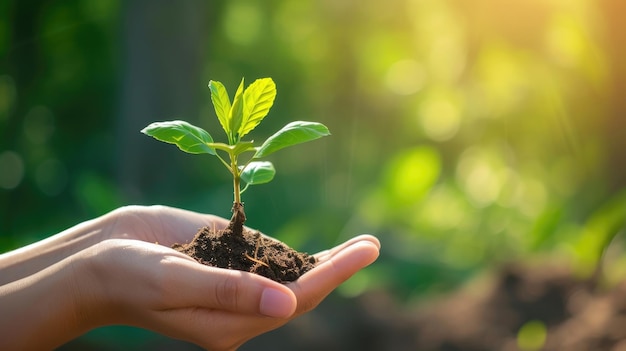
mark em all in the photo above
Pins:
pixel 221 103
pixel 236 115
pixel 186 136
pixel 292 134
pixel 258 172
pixel 258 98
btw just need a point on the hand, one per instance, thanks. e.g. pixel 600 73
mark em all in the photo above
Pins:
pixel 157 288
pixel 158 224
pixel 110 270
pixel 155 224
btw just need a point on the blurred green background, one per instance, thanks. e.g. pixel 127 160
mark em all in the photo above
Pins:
pixel 465 133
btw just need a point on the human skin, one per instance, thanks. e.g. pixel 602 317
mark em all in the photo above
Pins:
pixel 119 269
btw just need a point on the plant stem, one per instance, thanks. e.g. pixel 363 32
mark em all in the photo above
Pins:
pixel 237 190
pixel 236 179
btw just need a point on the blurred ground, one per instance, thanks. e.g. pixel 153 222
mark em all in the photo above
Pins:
pixel 517 308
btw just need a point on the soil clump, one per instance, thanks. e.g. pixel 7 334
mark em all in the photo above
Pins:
pixel 237 247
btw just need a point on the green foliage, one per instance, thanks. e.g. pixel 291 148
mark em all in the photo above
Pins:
pixel 259 98
pixel 258 172
pixel 221 103
pixel 187 137
pixel 291 134
pixel 248 109
pixel 599 231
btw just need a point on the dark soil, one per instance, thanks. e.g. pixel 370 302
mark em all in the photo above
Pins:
pixel 236 247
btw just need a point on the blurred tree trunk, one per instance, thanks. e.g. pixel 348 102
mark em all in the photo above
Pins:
pixel 613 11
pixel 164 47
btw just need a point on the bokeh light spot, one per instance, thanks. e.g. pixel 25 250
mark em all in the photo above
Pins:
pixel 11 170
pixel 242 22
pixel 412 174
pixel 565 41
pixel 444 209
pixel 532 336
pixel 51 177
pixel 440 117
pixel 356 285
pixel 477 171
pixel 293 22
pixel 503 78
pixel 405 77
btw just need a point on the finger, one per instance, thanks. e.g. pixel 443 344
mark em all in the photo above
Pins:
pixel 162 224
pixel 181 225
pixel 197 220
pixel 323 255
pixel 187 283
pixel 311 288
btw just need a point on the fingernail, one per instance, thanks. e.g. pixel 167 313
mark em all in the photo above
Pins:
pixel 275 303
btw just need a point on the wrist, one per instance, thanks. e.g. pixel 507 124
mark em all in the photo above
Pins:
pixel 103 284
pixel 45 305
pixel 94 293
pixel 33 258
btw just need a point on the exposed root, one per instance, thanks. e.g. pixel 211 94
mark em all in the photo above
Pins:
pixel 256 252
pixel 256 249
pixel 255 260
pixel 238 219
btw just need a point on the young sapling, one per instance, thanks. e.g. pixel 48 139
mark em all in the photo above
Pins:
pixel 241 157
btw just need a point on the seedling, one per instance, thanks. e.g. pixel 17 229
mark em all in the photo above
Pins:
pixel 248 108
